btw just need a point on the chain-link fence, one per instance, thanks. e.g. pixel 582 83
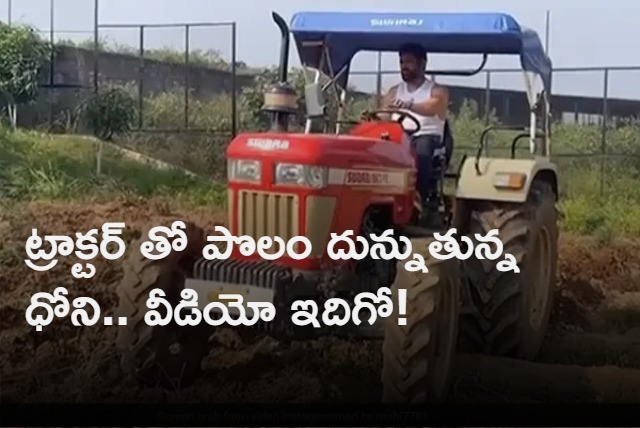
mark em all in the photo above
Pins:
pixel 188 75
pixel 62 88
pixel 188 98
pixel 595 136
pixel 183 76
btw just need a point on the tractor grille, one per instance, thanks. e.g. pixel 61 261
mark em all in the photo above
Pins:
pixel 268 214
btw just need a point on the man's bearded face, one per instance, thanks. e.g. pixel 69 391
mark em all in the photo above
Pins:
pixel 410 67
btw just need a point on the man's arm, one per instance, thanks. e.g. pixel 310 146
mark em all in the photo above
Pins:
pixel 436 105
pixel 387 101
pixel 388 98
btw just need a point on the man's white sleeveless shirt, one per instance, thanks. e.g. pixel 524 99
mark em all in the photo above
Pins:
pixel 429 125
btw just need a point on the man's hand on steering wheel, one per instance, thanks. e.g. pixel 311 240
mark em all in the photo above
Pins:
pixel 368 115
pixel 403 113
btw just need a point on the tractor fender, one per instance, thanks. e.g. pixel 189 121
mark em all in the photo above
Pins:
pixel 504 180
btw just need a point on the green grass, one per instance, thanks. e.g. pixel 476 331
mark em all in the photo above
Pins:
pixel 616 217
pixel 36 166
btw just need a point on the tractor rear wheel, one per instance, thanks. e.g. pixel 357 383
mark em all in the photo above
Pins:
pixel 419 356
pixel 167 355
pixel 507 313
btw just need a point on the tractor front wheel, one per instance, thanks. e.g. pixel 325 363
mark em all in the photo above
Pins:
pixel 507 313
pixel 419 356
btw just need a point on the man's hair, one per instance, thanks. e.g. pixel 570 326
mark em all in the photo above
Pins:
pixel 413 49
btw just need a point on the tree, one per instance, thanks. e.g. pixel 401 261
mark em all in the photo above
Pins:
pixel 22 55
pixel 109 112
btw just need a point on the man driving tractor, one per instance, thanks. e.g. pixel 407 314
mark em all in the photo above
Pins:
pixel 428 103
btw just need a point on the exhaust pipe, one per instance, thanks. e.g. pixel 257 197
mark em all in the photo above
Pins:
pixel 281 100
pixel 284 46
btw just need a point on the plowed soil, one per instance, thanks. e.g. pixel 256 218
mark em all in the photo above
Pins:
pixel 592 352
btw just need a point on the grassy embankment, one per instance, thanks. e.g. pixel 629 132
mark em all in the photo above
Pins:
pixel 37 166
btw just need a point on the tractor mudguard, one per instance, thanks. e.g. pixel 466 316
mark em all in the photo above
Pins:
pixel 506 180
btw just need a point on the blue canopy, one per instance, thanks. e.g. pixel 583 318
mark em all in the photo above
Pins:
pixel 347 33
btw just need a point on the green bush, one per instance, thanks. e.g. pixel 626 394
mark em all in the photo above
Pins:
pixel 109 112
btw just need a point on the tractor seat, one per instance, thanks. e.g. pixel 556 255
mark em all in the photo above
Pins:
pixel 442 155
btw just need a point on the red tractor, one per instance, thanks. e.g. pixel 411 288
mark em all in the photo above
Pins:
pixel 313 184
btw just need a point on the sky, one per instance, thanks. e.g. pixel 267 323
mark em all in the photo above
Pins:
pixel 583 33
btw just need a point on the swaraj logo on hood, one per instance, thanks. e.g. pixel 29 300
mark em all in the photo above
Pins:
pixel 268 144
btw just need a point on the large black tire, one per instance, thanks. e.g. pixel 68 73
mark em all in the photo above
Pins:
pixel 418 357
pixel 507 313
pixel 171 355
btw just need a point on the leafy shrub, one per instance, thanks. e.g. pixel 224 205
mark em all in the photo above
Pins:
pixel 109 112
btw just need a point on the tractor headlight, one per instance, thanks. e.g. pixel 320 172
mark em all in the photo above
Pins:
pixel 509 180
pixel 243 170
pixel 301 175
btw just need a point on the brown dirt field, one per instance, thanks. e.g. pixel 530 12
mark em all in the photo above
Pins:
pixel 592 352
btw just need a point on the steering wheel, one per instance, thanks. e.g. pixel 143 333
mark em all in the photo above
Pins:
pixel 375 115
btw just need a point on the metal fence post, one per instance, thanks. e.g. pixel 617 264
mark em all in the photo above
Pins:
pixel 52 58
pixel 187 71
pixel 96 53
pixel 605 114
pixel 234 82
pixel 487 98
pixel 141 81
pixel 379 81
pixel 96 44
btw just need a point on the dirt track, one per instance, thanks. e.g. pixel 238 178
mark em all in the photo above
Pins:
pixel 592 353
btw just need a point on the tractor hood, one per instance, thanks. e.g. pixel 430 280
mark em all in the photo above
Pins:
pixel 338 151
